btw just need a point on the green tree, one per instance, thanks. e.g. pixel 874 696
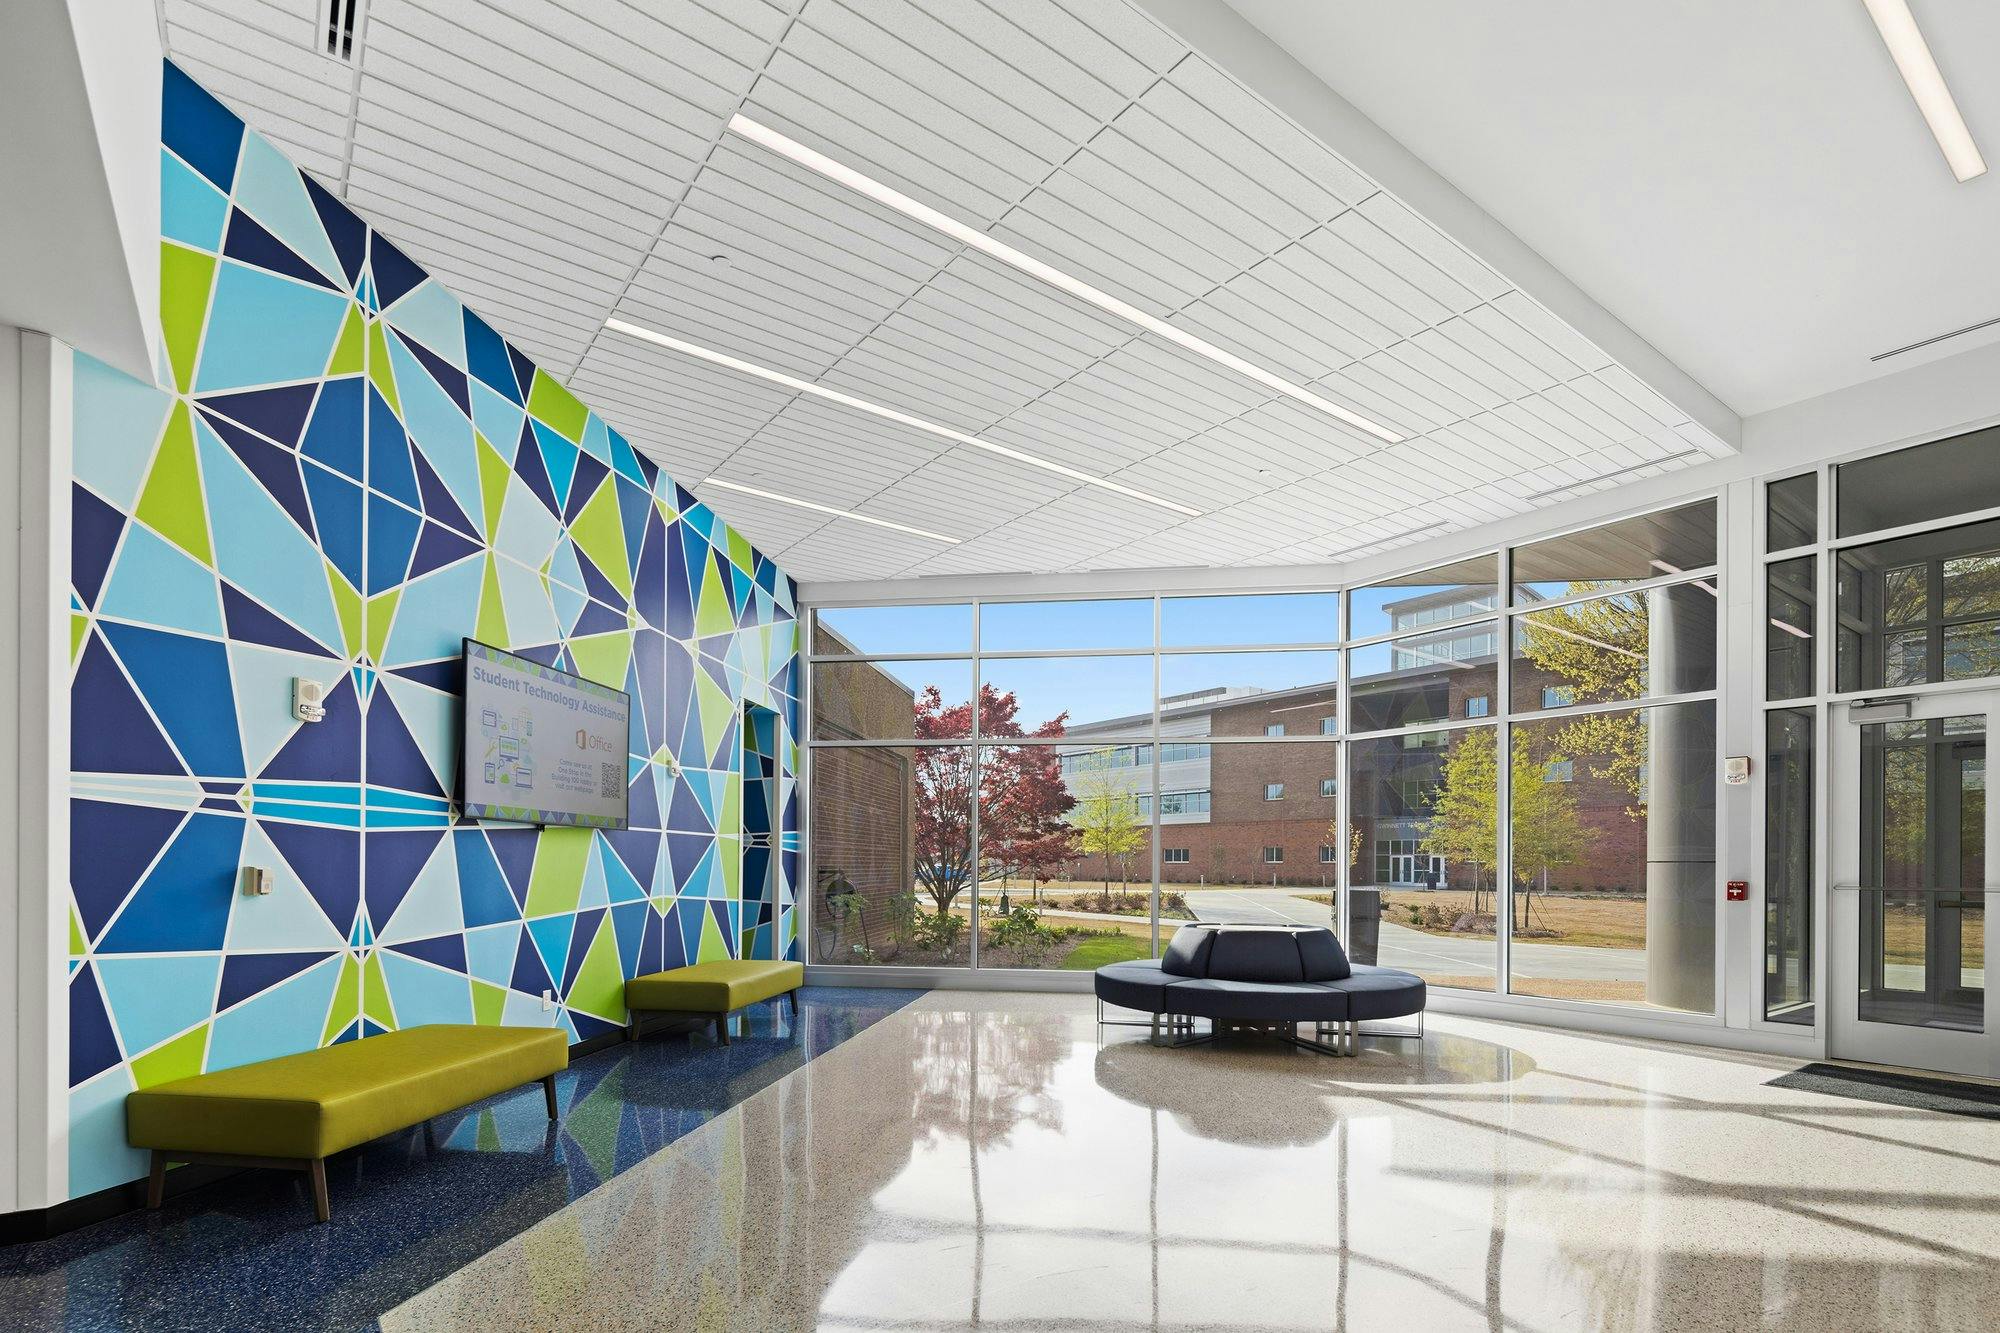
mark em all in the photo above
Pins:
pixel 1596 652
pixel 1107 823
pixel 1463 826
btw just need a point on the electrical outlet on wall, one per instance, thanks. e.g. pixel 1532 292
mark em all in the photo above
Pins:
pixel 548 1000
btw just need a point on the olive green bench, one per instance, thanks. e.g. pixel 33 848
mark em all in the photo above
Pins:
pixel 297 1110
pixel 712 991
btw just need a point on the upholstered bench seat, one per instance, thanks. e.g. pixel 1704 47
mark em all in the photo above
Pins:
pixel 712 990
pixel 1261 975
pixel 1382 992
pixel 297 1110
pixel 1137 985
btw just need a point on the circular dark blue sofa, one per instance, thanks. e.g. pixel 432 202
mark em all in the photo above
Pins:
pixel 1261 975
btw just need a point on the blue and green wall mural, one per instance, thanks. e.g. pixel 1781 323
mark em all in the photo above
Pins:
pixel 341 473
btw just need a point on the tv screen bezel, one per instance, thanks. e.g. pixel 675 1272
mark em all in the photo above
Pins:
pixel 493 814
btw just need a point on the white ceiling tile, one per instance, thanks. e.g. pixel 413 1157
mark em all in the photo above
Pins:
pixel 558 161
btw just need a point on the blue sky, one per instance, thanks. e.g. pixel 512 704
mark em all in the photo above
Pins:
pixel 1093 688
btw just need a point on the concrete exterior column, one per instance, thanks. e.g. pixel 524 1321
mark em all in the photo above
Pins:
pixel 1680 828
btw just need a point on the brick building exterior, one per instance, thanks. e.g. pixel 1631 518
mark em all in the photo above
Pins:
pixel 1271 812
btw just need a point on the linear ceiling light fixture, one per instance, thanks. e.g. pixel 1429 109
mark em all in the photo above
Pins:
pixel 1682 456
pixel 829 509
pixel 1374 542
pixel 978 240
pixel 714 357
pixel 1918 67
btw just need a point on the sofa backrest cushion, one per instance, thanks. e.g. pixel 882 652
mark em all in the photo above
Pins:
pixel 1322 957
pixel 1187 951
pixel 1246 953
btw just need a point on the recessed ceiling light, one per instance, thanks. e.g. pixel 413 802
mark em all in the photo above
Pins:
pixel 886 413
pixel 1915 63
pixel 968 235
pixel 829 509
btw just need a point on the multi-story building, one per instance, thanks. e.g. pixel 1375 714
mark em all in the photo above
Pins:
pixel 1232 811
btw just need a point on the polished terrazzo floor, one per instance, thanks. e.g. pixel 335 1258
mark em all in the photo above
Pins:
pixel 997 1161
pixel 409 1210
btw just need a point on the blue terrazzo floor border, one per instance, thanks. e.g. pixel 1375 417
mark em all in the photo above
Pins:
pixel 244 1252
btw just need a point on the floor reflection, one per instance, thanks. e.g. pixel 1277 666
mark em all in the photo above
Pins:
pixel 1202 1088
pixel 994 1161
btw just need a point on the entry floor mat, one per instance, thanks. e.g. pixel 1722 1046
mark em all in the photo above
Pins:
pixel 1891 1089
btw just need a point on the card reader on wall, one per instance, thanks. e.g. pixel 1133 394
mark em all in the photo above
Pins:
pixel 308 699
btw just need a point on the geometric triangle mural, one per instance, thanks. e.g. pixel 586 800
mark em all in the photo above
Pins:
pixel 341 474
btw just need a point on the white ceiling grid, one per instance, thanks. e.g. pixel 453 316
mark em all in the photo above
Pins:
pixel 559 162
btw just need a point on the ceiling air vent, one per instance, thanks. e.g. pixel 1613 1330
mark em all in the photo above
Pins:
pixel 339 20
pixel 1955 333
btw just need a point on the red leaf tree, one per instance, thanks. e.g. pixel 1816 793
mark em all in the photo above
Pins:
pixel 1022 799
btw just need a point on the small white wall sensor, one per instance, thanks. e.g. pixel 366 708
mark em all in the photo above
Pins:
pixel 308 699
pixel 256 880
pixel 1736 770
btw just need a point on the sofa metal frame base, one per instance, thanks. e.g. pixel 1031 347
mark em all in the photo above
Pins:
pixel 1335 1039
pixel 1179 1027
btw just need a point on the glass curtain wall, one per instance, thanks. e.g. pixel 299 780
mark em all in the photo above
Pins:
pixel 1791 732
pixel 1124 764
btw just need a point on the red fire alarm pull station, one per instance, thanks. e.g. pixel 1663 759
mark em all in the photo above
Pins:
pixel 1739 890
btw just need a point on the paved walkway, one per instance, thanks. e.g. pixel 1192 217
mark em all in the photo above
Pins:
pixel 1421 952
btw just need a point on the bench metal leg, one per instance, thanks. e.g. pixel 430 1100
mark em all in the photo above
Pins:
pixel 793 996
pixel 317 1170
pixel 156 1180
pixel 549 1094
pixel 722 1028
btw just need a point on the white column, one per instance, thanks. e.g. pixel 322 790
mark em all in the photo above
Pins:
pixel 34 774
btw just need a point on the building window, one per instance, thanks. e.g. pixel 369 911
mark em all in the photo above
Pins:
pixel 1179 803
pixel 1560 770
pixel 1274 856
pixel 1274 791
pixel 1174 856
pixel 1557 696
pixel 1274 729
pixel 1096 761
pixel 1173 751
pixel 1326 854
pixel 1329 726
pixel 1329 786
pixel 1478 705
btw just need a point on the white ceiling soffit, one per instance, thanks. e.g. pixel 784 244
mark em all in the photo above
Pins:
pixel 559 163
pixel 80 155
pixel 1749 186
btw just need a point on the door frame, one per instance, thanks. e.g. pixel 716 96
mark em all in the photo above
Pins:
pixel 1849 1036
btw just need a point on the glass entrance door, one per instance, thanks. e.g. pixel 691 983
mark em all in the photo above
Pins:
pixel 1911 880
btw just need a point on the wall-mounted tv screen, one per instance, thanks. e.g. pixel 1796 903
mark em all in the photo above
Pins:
pixel 542 746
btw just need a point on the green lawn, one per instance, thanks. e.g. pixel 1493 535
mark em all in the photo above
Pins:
pixel 1095 953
